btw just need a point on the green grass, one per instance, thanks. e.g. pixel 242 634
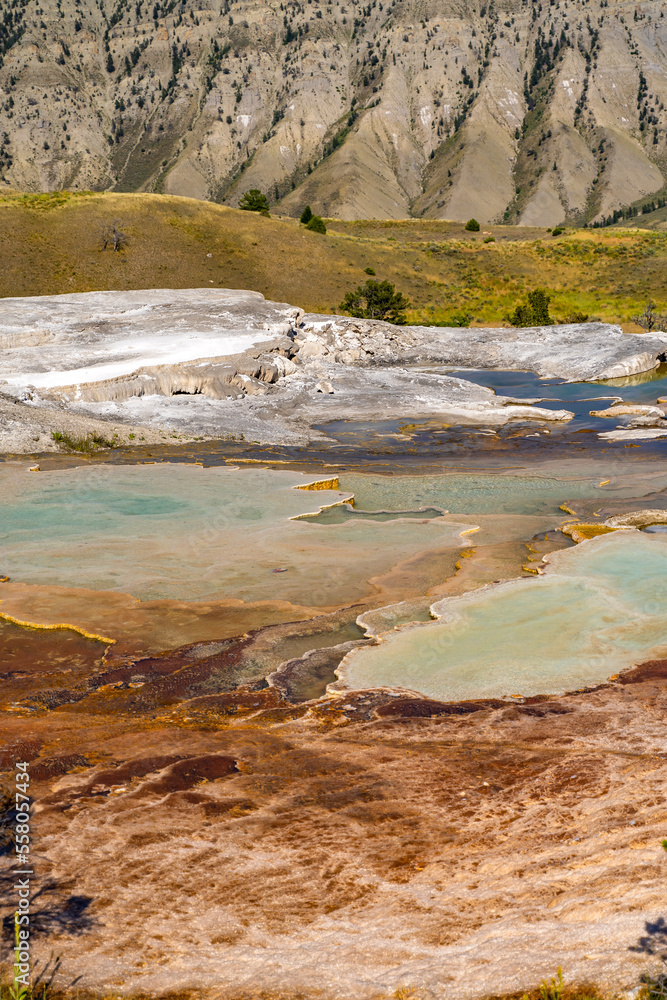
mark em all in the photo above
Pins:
pixel 50 244
pixel 86 444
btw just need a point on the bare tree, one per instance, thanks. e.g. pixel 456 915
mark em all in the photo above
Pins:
pixel 112 235
pixel 650 319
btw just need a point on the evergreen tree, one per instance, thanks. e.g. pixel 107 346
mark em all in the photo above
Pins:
pixel 254 201
pixel 376 300
pixel 306 215
pixel 316 224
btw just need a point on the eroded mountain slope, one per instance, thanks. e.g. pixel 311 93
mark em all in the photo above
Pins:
pixel 533 113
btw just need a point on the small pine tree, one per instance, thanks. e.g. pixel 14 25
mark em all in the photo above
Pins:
pixel 472 226
pixel 376 300
pixel 316 225
pixel 254 201
pixel 110 64
pixel 306 215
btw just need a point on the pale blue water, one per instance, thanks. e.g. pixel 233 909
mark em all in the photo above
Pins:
pixel 487 493
pixel 189 533
pixel 600 608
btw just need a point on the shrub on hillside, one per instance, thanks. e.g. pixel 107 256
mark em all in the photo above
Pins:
pixel 316 225
pixel 534 311
pixel 111 235
pixel 254 201
pixel 472 226
pixel 306 215
pixel 459 319
pixel 376 300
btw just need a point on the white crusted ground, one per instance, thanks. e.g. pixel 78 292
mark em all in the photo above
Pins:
pixel 221 363
pixel 65 340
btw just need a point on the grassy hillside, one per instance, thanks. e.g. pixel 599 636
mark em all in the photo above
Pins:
pixel 51 244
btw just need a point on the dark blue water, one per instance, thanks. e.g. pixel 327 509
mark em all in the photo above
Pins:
pixel 552 393
pixel 578 397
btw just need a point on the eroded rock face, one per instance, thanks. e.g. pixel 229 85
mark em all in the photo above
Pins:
pixel 389 114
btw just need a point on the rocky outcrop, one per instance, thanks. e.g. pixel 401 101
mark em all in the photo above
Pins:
pixel 574 352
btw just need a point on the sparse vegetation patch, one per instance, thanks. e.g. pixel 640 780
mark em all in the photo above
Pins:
pixel 90 443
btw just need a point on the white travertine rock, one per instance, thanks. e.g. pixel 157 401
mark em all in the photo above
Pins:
pixel 65 340
pixel 637 519
pixel 227 363
pixel 629 409
pixel 634 434
pixel 574 352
